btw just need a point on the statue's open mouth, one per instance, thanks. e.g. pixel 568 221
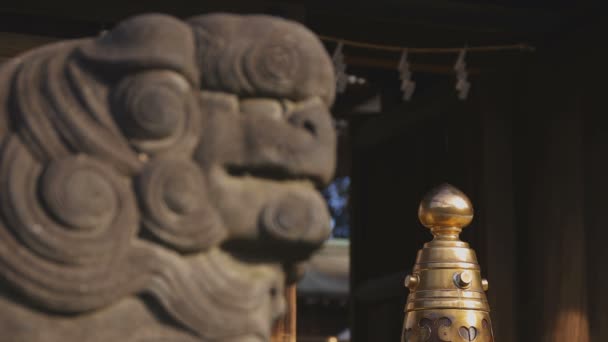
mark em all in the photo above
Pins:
pixel 273 173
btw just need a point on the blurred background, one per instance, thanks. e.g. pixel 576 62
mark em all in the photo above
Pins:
pixel 527 143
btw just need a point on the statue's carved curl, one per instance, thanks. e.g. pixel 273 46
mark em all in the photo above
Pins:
pixel 159 181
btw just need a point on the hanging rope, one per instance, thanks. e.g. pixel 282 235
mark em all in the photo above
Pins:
pixel 408 86
pixel 449 50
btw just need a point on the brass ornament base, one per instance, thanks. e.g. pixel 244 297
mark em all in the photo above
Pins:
pixel 448 325
pixel 447 300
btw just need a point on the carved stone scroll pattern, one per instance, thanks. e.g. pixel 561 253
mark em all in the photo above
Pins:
pixel 159 182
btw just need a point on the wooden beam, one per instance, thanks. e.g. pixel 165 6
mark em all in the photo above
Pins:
pixel 110 11
pixel 12 44
pixel 399 20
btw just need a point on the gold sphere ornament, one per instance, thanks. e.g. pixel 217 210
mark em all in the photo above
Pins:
pixel 445 210
pixel 447 300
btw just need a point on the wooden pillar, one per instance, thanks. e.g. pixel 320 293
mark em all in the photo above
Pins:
pixel 553 282
pixel 285 328
pixel 560 197
pixel 596 188
pixel 495 210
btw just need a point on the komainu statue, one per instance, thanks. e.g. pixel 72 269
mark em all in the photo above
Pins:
pixel 160 182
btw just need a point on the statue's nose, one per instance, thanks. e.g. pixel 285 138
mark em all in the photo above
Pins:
pixel 315 119
pixel 314 122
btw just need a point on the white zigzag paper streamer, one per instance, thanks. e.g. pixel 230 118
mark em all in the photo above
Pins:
pixel 407 85
pixel 462 84
pixel 340 69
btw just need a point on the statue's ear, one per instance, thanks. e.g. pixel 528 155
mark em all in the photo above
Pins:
pixel 144 42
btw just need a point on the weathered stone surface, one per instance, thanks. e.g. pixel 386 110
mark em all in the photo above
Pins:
pixel 158 183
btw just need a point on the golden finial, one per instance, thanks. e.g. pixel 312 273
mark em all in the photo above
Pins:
pixel 447 300
pixel 445 210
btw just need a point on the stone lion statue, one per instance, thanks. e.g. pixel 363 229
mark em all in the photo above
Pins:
pixel 160 182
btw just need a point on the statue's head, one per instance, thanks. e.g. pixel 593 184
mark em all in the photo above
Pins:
pixel 161 180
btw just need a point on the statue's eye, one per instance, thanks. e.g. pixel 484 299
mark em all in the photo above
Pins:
pixel 287 107
pixel 262 107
